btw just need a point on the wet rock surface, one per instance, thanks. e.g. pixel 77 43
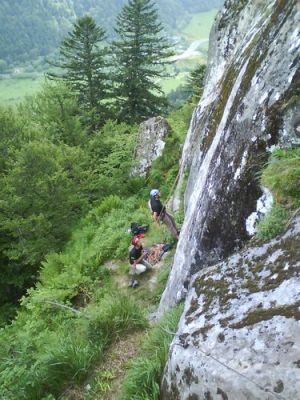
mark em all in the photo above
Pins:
pixel 150 145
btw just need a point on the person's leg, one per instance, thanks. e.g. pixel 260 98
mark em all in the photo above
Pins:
pixel 133 272
pixel 169 221
pixel 146 263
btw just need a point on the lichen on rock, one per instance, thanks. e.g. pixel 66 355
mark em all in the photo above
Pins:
pixel 241 325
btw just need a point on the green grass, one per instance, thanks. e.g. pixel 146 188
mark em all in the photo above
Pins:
pixel 273 223
pixel 144 374
pixel 169 84
pixel 282 176
pixel 13 90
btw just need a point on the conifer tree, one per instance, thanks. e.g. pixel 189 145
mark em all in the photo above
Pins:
pixel 141 53
pixel 195 81
pixel 84 68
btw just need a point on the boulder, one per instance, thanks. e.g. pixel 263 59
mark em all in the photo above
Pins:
pixel 239 336
pixel 150 144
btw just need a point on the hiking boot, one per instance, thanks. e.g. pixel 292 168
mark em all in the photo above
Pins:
pixel 130 283
pixel 135 283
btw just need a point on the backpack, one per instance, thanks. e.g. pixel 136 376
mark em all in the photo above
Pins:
pixel 135 228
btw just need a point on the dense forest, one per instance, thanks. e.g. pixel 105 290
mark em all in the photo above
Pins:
pixel 32 28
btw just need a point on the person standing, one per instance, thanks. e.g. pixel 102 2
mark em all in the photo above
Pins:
pixel 138 264
pixel 159 213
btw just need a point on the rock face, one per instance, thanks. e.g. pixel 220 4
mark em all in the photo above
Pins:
pixel 151 143
pixel 239 337
pixel 236 339
pixel 248 105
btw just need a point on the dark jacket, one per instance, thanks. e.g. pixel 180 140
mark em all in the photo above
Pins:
pixel 156 206
pixel 135 254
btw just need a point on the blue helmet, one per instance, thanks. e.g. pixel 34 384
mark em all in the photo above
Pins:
pixel 154 192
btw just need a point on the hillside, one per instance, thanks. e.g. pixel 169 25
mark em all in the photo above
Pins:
pixel 30 28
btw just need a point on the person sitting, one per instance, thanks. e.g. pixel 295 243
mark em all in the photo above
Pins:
pixel 159 213
pixel 137 261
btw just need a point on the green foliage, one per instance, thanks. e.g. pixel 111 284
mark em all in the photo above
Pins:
pixel 195 81
pixel 55 108
pixel 162 278
pixel 282 176
pixel 39 200
pixel 82 62
pixel 141 53
pixel 144 375
pixel 51 346
pixel 39 347
pixel 273 223
pixel 10 136
pixel 110 160
pixel 49 169
pixel 119 313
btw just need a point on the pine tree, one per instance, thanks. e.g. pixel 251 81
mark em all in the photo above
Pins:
pixel 84 68
pixel 195 81
pixel 141 53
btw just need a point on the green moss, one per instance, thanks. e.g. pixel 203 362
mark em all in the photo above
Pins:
pixel 224 322
pixel 193 306
pixel 251 286
pixel 291 311
pixel 278 388
pixel 214 290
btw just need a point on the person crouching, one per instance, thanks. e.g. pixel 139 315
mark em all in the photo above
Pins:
pixel 138 264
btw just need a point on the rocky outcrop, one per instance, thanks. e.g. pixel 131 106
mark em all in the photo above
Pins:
pixel 150 145
pixel 248 105
pixel 239 336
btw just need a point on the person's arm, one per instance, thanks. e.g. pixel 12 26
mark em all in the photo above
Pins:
pixel 140 258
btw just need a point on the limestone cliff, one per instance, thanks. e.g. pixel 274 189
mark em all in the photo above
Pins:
pixel 250 103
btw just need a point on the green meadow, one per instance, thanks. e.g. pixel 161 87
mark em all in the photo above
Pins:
pixel 13 90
